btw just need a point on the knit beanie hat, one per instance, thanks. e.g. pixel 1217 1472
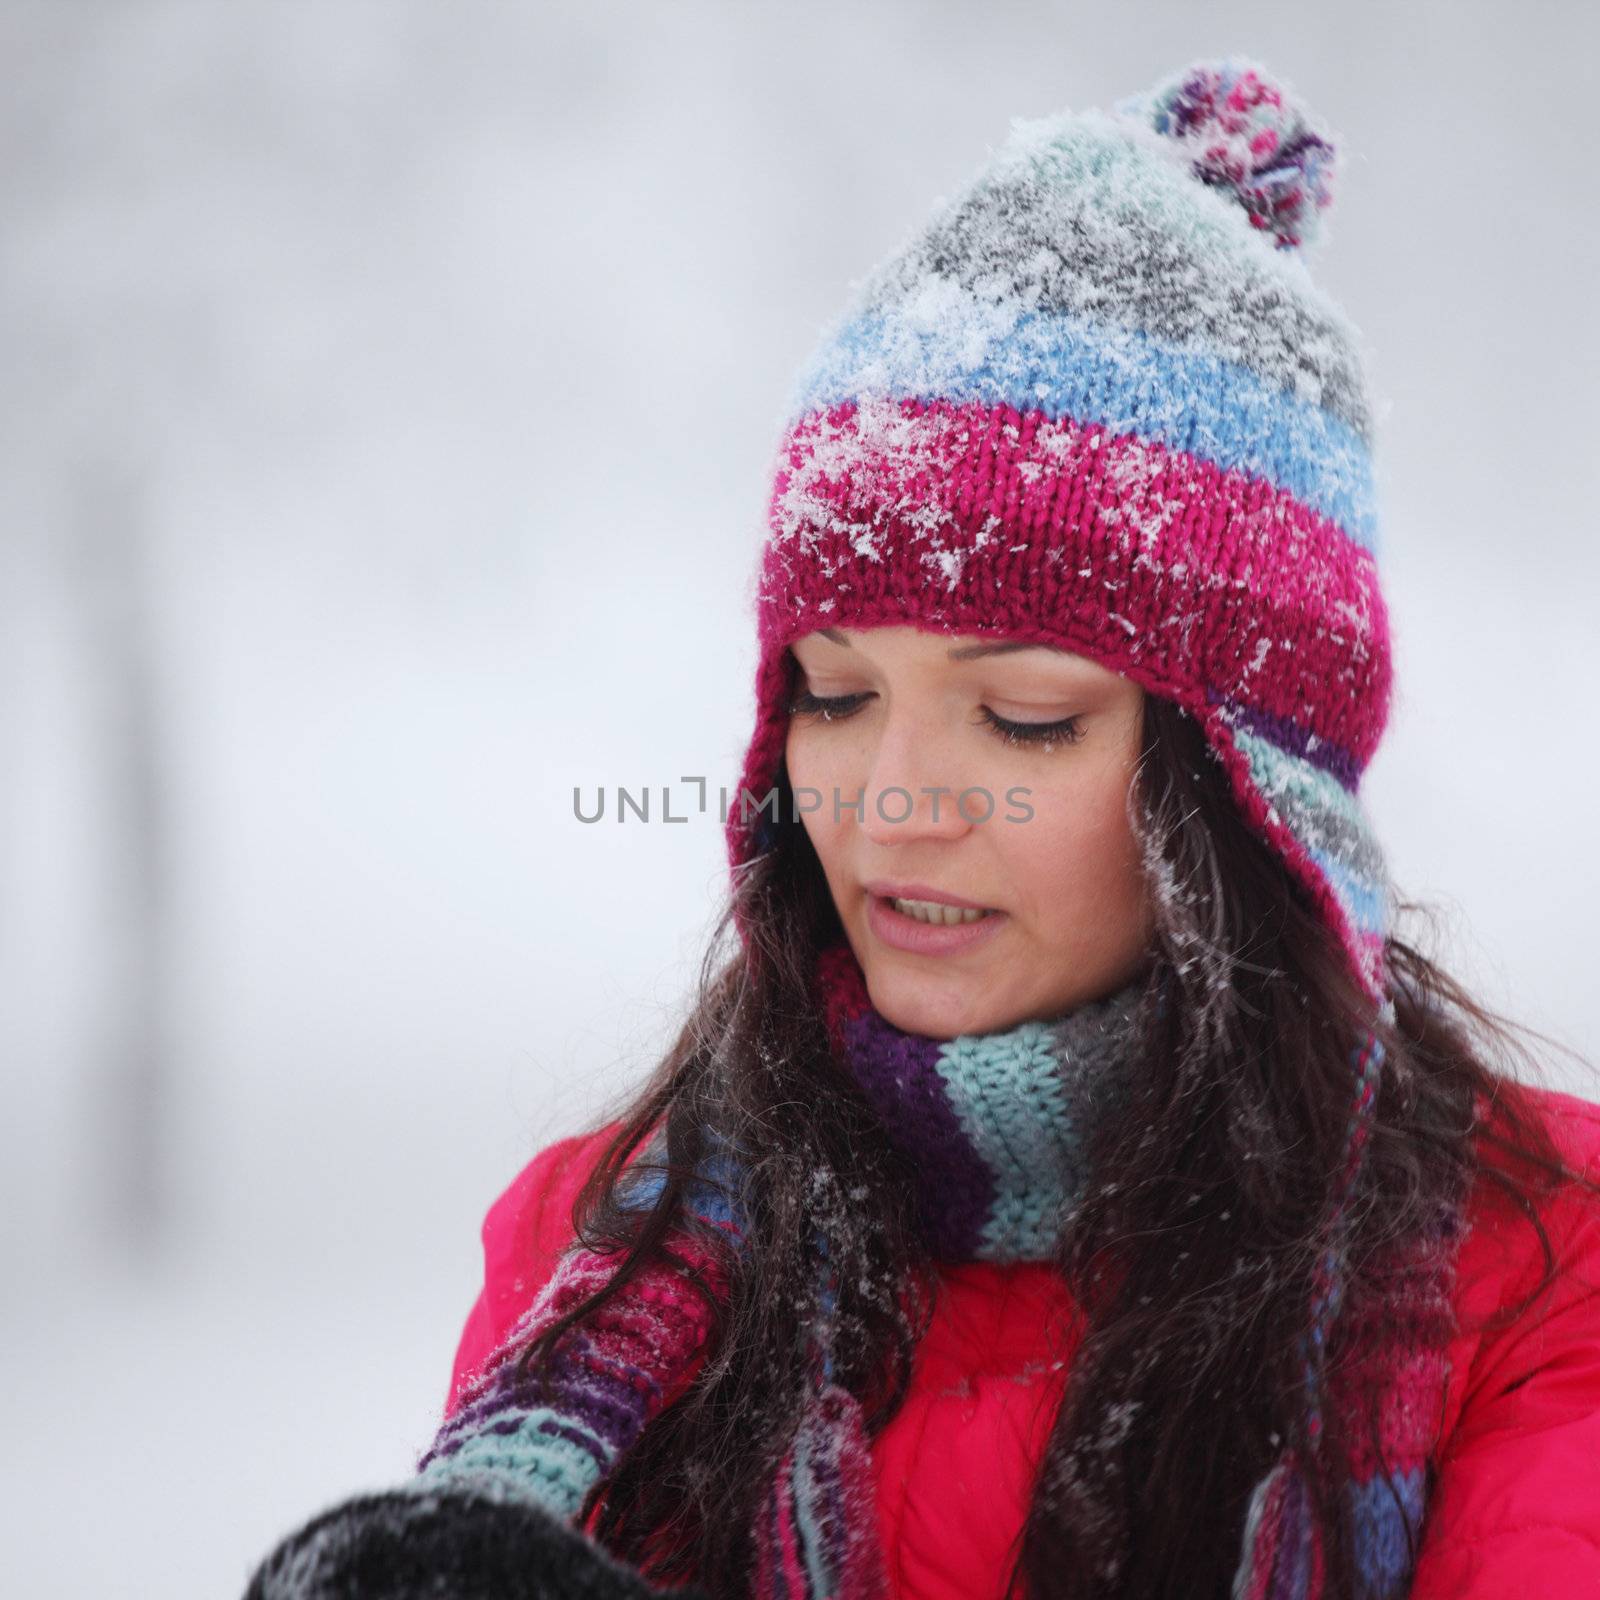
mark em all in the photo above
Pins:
pixel 1097 402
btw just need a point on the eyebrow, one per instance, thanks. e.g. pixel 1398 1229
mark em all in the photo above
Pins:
pixel 965 652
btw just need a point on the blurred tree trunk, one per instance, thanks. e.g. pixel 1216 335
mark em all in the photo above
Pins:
pixel 131 1091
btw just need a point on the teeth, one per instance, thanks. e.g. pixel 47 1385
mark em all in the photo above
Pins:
pixel 939 915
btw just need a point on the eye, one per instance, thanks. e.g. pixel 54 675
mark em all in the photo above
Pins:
pixel 829 708
pixel 1068 730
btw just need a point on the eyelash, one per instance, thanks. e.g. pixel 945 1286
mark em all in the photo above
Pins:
pixel 1068 730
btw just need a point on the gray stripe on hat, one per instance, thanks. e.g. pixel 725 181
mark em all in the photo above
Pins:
pixel 1094 215
pixel 1344 837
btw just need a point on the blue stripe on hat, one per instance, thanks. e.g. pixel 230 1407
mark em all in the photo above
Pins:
pixel 1067 365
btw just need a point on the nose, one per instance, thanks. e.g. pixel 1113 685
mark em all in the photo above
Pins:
pixel 911 792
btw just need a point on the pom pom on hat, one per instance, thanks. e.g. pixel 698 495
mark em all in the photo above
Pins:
pixel 1242 132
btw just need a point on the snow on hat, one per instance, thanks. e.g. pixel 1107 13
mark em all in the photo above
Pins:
pixel 1097 402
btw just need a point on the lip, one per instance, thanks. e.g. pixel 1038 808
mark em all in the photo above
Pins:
pixel 920 891
pixel 900 932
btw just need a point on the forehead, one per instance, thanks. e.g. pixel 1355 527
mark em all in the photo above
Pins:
pixel 929 643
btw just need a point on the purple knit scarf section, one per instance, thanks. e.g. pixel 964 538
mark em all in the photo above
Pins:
pixel 898 1074
pixel 997 1125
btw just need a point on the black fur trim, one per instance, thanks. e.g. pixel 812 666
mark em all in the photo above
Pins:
pixel 448 1544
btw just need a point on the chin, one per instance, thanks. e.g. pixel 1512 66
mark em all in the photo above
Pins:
pixel 935 1008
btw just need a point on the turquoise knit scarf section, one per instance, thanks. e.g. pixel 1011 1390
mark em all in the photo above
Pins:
pixel 997 1124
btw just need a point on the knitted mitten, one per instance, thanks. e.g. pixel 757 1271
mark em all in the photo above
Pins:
pixel 411 1545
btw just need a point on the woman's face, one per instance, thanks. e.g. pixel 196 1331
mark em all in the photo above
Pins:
pixel 990 776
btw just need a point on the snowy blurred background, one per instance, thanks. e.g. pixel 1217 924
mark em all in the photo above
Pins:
pixel 389 394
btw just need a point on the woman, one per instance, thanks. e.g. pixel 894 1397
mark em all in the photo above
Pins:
pixel 1069 1183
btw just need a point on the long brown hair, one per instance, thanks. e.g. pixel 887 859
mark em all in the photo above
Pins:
pixel 1245 1109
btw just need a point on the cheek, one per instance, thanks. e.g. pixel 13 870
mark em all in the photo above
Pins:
pixel 1077 852
pixel 815 764
pixel 808 762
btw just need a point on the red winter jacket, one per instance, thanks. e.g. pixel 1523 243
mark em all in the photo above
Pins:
pixel 1516 1510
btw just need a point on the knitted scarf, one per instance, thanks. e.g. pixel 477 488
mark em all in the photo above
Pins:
pixel 997 1124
